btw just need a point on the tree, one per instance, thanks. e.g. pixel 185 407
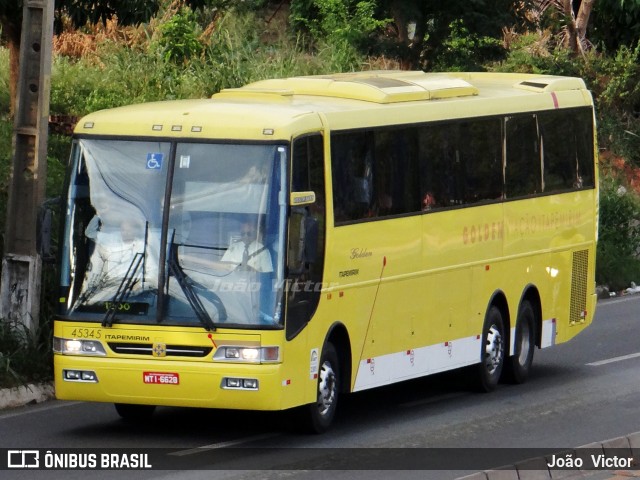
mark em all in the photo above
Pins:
pixel 80 12
pixel 615 23
pixel 418 30
pixel 410 20
pixel 575 16
pixel 10 29
pixel 423 28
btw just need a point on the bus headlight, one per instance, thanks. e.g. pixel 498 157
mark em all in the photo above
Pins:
pixel 69 346
pixel 232 353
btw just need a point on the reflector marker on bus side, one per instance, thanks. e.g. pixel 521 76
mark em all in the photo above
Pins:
pixel 556 104
pixel 417 362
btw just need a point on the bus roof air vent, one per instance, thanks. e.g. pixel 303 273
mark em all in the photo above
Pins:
pixel 545 84
pixel 252 94
pixel 377 87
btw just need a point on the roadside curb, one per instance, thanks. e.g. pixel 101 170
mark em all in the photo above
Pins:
pixel 26 394
pixel 536 468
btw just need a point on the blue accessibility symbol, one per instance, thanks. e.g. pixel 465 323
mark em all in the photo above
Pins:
pixel 154 161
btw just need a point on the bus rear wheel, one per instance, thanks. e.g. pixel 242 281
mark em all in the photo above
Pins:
pixel 134 413
pixel 319 415
pixel 519 365
pixel 492 353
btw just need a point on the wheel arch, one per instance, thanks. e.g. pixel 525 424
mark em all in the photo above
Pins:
pixel 339 338
pixel 499 300
pixel 531 294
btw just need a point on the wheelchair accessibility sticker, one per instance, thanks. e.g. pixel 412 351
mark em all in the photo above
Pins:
pixel 154 161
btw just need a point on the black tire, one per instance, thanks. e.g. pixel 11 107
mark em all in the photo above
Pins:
pixel 518 367
pixel 492 350
pixel 319 415
pixel 135 413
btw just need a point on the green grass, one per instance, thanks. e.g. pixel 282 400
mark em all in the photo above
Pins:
pixel 25 356
pixel 238 52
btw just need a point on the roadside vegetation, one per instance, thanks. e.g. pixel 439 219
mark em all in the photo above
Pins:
pixel 184 53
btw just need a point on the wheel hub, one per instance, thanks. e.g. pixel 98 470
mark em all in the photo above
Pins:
pixel 493 349
pixel 326 388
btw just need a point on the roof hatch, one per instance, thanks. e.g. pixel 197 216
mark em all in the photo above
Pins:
pixel 544 84
pixel 377 87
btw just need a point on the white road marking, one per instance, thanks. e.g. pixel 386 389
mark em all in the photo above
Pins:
pixel 31 409
pixel 230 443
pixel 613 360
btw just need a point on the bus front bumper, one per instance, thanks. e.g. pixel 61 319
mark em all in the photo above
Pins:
pixel 170 383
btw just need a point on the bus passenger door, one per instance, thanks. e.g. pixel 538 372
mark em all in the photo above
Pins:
pixel 306 242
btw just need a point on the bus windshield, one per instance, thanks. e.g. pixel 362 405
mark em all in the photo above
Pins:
pixel 178 233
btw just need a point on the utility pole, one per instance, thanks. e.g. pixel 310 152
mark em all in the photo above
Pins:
pixel 20 284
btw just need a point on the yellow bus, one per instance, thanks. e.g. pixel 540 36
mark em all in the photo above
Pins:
pixel 292 240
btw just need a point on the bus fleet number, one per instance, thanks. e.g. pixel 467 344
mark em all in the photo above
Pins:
pixel 86 333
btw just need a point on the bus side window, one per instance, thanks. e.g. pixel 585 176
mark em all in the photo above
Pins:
pixel 523 170
pixel 439 167
pixel 568 164
pixel 396 188
pixel 352 158
pixel 482 152
pixel 305 257
pixel 585 167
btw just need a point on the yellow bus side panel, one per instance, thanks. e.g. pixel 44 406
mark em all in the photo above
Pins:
pixel 409 318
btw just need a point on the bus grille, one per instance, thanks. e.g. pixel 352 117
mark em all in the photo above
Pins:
pixel 579 286
pixel 171 350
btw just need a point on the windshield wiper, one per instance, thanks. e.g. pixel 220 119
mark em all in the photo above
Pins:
pixel 126 285
pixel 192 297
pixel 128 280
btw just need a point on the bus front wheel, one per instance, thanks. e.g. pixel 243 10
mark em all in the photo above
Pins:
pixel 320 413
pixel 492 352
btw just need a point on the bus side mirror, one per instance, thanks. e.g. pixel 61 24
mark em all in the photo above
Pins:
pixel 302 198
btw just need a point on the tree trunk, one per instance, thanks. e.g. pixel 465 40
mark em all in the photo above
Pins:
pixel 403 13
pixel 572 35
pixel 583 19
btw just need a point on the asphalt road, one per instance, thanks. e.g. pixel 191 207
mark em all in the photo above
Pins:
pixel 584 391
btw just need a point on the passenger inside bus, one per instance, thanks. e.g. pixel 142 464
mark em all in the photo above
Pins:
pixel 119 252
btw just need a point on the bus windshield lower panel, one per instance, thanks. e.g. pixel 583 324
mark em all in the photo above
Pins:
pixel 182 234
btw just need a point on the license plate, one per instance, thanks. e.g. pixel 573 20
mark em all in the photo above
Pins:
pixel 161 378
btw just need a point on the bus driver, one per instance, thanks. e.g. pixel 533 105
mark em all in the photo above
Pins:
pixel 249 251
